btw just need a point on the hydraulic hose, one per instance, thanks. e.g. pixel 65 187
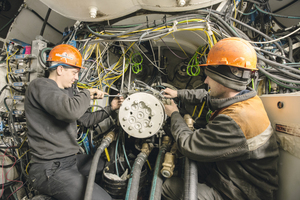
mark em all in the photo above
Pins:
pixel 186 178
pixel 190 180
pixel 190 170
pixel 193 193
pixel 92 174
pixel 156 187
pixel 134 180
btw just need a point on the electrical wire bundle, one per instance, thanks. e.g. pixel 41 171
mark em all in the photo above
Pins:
pixel 101 43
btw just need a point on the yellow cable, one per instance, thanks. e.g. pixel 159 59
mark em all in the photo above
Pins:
pixel 27 168
pixel 107 154
pixel 106 75
pixel 8 67
pixel 22 143
pixel 179 45
pixel 194 111
pixel 200 112
pixel 24 153
pixel 234 12
pixel 149 165
pixel 98 68
pixel 208 38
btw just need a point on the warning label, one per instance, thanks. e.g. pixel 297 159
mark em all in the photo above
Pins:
pixel 288 129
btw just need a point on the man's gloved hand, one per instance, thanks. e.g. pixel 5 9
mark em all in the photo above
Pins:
pixel 116 103
pixel 96 94
pixel 171 108
pixel 169 93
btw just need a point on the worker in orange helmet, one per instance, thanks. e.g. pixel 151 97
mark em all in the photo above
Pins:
pixel 236 152
pixel 53 107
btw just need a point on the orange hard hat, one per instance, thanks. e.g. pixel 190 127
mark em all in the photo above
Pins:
pixel 234 52
pixel 66 54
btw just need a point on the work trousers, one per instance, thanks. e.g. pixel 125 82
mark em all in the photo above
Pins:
pixel 66 178
pixel 173 188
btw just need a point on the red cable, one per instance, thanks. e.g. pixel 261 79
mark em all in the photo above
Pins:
pixel 8 172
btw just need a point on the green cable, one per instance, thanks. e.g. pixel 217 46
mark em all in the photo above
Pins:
pixel 276 15
pixel 7 24
pixel 84 136
pixel 194 63
pixel 137 66
pixel 250 13
pixel 208 115
pixel 42 52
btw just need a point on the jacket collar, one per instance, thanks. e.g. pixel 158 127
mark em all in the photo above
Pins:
pixel 216 104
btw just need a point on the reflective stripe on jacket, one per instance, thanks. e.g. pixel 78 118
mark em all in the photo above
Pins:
pixel 238 140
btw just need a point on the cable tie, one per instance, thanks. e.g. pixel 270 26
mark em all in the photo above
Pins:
pixel 174 27
pixel 208 27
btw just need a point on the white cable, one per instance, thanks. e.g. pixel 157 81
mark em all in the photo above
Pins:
pixel 276 39
pixel 150 60
pixel 124 64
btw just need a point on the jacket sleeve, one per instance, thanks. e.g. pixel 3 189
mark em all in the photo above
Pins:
pixel 221 139
pixel 192 96
pixel 90 118
pixel 59 104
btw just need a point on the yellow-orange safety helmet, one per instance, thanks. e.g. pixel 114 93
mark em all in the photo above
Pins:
pixel 234 52
pixel 66 54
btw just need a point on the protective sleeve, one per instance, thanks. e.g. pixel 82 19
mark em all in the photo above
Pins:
pixel 221 139
pixel 91 118
pixel 57 103
pixel 195 96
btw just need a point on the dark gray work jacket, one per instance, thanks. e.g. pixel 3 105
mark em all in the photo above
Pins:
pixel 238 141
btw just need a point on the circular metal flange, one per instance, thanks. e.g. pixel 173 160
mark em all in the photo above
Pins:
pixel 141 115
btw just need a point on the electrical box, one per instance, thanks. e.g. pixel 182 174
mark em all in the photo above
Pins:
pixel 284 113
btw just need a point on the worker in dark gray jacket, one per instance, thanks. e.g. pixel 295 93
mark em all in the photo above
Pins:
pixel 236 152
pixel 52 108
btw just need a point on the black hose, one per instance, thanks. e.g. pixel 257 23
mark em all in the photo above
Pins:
pixel 282 84
pixel 186 178
pixel 290 49
pixel 251 28
pixel 262 70
pixel 12 127
pixel 271 53
pixel 219 19
pixel 45 22
pixel 3 89
pixel 92 174
pixel 277 65
pixel 116 35
pixel 134 180
pixel 193 193
pixel 190 180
